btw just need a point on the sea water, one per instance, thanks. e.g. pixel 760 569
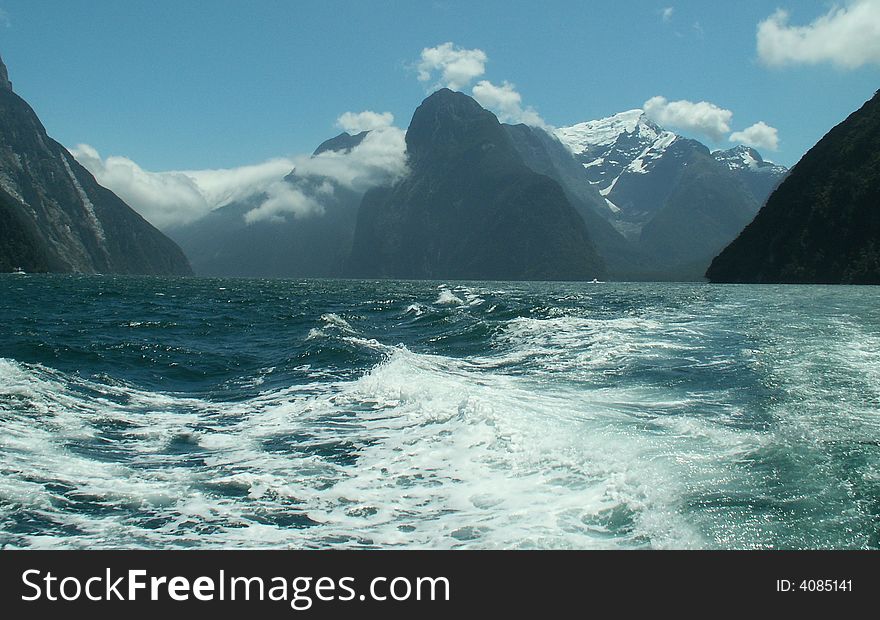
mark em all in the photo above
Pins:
pixel 231 413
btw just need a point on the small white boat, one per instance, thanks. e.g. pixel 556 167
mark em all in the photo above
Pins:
pixel 18 271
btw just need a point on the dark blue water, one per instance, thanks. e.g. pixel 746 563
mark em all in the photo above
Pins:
pixel 150 412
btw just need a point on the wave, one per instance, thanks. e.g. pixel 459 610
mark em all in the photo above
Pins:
pixel 556 425
pixel 421 451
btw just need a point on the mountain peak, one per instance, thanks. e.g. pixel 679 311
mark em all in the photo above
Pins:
pixel 5 84
pixel 746 158
pixel 448 105
pixel 606 131
pixel 450 120
pixel 344 142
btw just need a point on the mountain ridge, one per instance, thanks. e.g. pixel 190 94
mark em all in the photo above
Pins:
pixel 822 224
pixel 470 207
pixel 57 217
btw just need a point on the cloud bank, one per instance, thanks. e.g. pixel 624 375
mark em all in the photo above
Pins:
pixel 847 37
pixel 379 159
pixel 176 198
pixel 760 135
pixel 173 198
pixel 457 67
pixel 702 118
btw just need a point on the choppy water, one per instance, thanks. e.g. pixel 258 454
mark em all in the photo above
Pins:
pixel 149 412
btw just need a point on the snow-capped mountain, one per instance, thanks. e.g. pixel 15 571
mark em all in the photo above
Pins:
pixel 746 158
pixel 759 176
pixel 674 200
pixel 609 147
pixel 636 164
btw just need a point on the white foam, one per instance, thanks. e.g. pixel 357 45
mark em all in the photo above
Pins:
pixel 537 443
pixel 447 298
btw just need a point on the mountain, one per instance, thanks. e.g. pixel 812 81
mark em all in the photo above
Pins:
pixel 822 224
pixel 545 154
pixel 745 163
pixel 224 243
pixel 470 208
pixel 611 147
pixel 343 142
pixel 55 217
pixel 675 201
pixel 703 211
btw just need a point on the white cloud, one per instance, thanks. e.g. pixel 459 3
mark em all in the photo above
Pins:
pixel 175 198
pixel 178 197
pixel 506 102
pixel 220 187
pixel 667 13
pixel 702 118
pixel 457 67
pixel 379 159
pixel 760 135
pixel 356 122
pixel 847 36
pixel 284 199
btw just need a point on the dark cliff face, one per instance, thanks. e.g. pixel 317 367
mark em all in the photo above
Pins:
pixel 55 216
pixel 822 224
pixel 5 84
pixel 545 154
pixel 470 208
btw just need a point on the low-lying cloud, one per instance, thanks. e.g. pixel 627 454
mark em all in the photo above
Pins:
pixel 760 135
pixel 451 66
pixel 847 36
pixel 379 159
pixel 702 118
pixel 284 199
pixel 176 198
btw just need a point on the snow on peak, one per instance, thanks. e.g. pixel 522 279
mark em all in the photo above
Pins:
pixel 739 157
pixel 746 158
pixel 628 142
pixel 606 131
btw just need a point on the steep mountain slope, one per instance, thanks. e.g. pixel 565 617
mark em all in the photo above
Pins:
pixel 470 207
pixel 702 213
pixel 545 154
pixel 745 163
pixel 677 203
pixel 224 243
pixel 55 217
pixel 609 148
pixel 822 224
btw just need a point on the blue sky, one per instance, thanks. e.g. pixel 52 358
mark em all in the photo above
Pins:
pixel 189 84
